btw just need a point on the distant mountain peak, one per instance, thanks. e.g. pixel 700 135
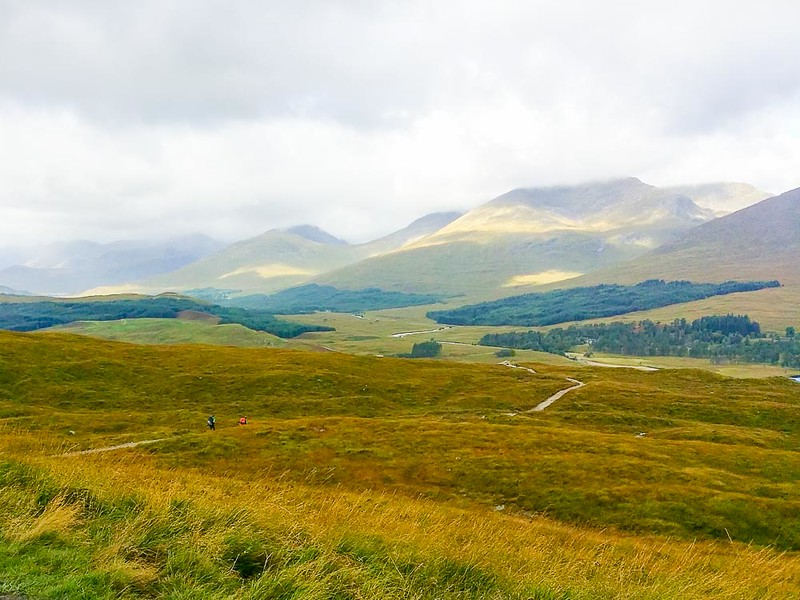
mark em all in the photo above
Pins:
pixel 722 197
pixel 315 234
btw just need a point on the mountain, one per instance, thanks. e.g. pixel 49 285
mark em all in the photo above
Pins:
pixel 758 242
pixel 71 267
pixel 761 242
pixel 281 258
pixel 722 198
pixel 271 261
pixel 315 234
pixel 422 227
pixel 531 236
pixel 12 292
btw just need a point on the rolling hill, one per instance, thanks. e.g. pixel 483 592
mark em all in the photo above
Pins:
pixel 365 477
pixel 532 236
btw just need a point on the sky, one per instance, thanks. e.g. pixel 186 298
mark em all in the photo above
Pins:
pixel 155 118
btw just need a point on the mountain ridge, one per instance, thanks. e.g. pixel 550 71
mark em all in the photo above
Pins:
pixel 531 235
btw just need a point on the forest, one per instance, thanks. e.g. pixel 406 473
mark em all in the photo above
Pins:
pixel 727 338
pixel 30 316
pixel 314 297
pixel 583 303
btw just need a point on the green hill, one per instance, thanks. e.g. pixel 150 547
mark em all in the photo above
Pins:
pixel 280 259
pixel 174 331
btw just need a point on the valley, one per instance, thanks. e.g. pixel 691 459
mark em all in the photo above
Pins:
pixel 485 471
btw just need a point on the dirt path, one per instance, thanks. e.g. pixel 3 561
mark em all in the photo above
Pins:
pixel 508 363
pixel 407 333
pixel 111 448
pixel 542 405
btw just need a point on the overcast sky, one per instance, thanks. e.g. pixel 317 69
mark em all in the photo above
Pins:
pixel 131 119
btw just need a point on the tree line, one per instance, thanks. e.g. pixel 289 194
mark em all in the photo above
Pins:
pixel 314 297
pixel 30 316
pixel 584 303
pixel 723 338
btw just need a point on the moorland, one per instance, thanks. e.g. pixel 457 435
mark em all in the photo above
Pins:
pixel 367 477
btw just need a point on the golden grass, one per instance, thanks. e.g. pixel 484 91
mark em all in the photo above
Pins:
pixel 58 517
pixel 773 308
pixel 529 550
pixel 402 460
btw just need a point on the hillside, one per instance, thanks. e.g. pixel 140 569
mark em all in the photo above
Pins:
pixel 40 314
pixel 174 331
pixel 279 259
pixel 582 303
pixel 312 297
pixel 531 236
pixel 273 260
pixel 758 242
pixel 376 477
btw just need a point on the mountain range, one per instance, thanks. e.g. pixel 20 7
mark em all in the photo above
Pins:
pixel 281 258
pixel 532 236
pixel 526 237
pixel 66 268
pixel 761 241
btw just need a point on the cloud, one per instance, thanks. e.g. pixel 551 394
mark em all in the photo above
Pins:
pixel 154 118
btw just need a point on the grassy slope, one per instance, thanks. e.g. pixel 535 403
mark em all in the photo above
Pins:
pixel 759 242
pixel 372 335
pixel 174 331
pixel 477 268
pixel 323 487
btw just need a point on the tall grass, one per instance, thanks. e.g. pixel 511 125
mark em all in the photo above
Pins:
pixel 146 531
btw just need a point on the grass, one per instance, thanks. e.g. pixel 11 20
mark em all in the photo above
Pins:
pixel 364 477
pixel 739 370
pixel 774 309
pixel 134 530
pixel 373 334
pixel 174 331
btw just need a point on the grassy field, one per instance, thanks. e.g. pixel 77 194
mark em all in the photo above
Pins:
pixel 174 331
pixel 774 309
pixel 366 477
pixel 383 333
pixel 376 333
pixel 373 334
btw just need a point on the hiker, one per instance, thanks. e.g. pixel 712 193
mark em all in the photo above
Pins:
pixel 242 420
pixel 212 423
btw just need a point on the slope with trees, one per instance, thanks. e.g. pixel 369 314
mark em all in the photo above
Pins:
pixel 580 304
pixel 30 316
